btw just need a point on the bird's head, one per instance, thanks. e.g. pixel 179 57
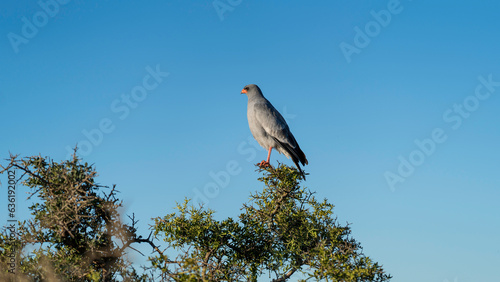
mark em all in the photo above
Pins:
pixel 251 90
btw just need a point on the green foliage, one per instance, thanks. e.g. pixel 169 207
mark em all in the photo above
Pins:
pixel 76 234
pixel 283 230
pixel 75 227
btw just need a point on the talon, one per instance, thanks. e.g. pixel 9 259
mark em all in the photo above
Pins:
pixel 264 164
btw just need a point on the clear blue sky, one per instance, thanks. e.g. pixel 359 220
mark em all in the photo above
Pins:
pixel 360 83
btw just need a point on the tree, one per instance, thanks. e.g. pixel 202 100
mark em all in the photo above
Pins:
pixel 283 230
pixel 76 233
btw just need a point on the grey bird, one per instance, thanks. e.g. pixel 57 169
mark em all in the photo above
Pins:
pixel 270 129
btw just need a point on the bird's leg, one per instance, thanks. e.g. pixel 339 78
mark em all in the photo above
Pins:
pixel 266 163
pixel 269 154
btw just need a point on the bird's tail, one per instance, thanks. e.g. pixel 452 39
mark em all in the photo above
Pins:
pixel 295 154
pixel 298 167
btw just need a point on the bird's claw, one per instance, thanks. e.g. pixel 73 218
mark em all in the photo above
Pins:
pixel 264 164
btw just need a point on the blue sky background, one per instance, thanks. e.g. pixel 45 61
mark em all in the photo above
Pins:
pixel 352 119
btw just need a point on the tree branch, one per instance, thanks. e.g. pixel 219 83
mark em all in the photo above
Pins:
pixel 285 276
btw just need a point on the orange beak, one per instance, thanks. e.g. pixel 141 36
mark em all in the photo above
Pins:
pixel 244 91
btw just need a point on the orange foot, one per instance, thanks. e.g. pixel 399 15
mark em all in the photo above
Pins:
pixel 264 164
